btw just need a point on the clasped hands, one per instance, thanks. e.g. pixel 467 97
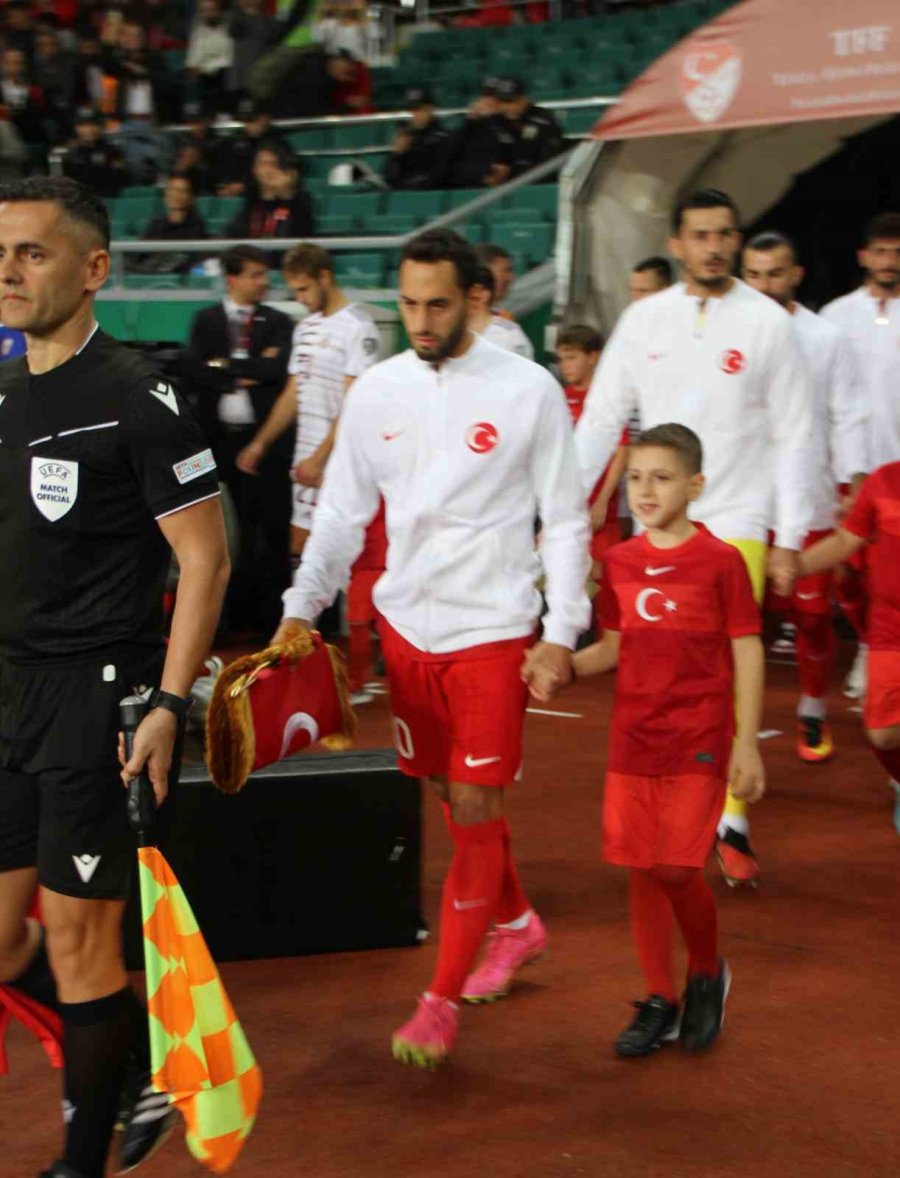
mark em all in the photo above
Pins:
pixel 546 670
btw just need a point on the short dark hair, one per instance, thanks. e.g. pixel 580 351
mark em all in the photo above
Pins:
pixel 309 259
pixel 484 277
pixel 884 227
pixel 235 259
pixel 658 264
pixel 703 198
pixel 489 252
pixel 285 158
pixel 672 436
pixel 78 203
pixel 443 245
pixel 580 336
pixel 771 239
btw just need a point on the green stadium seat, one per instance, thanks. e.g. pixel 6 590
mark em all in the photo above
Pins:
pixel 363 207
pixel 204 282
pixel 473 231
pixel 206 206
pixel 363 135
pixel 122 229
pixel 138 210
pixel 141 190
pixel 457 197
pixel 334 225
pixel 533 242
pixel 365 270
pixel 540 198
pixel 580 121
pixel 312 140
pixel 423 205
pixel 229 206
pixel 396 223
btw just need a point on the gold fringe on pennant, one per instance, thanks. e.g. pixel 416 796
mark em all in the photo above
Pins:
pixel 230 739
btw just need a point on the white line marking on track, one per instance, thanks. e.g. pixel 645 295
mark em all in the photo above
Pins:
pixel 768 733
pixel 547 712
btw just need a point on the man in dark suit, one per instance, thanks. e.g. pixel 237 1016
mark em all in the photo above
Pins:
pixel 235 366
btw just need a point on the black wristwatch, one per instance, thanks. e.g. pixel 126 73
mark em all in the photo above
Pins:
pixel 171 703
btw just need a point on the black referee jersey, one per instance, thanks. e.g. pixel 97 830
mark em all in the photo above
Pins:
pixel 92 455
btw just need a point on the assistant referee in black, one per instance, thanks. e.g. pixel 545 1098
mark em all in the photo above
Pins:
pixel 102 472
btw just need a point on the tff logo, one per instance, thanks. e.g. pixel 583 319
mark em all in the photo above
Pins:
pixel 482 437
pixel 732 361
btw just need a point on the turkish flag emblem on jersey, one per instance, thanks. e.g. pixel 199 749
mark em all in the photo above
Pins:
pixel 710 76
pixel 482 437
pixel 732 361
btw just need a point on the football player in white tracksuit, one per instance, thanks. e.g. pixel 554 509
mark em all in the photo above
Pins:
pixel 466 443
pixel 714 355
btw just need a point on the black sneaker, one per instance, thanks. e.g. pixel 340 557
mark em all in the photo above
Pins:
pixel 147 1125
pixel 704 1009
pixel 656 1022
pixel 60 1169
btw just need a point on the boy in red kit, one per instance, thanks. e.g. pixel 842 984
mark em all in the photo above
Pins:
pixel 578 349
pixel 681 625
pixel 361 612
pixel 874 517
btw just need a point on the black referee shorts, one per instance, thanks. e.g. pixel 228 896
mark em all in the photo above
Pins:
pixel 62 802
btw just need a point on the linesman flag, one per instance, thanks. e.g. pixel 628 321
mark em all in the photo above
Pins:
pixel 273 704
pixel 198 1051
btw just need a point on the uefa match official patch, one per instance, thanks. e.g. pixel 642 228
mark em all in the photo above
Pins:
pixel 54 486
pixel 194 467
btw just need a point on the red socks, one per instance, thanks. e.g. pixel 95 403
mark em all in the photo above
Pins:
pixel 359 655
pixel 816 645
pixel 656 894
pixel 513 902
pixel 652 926
pixel 850 591
pixel 469 903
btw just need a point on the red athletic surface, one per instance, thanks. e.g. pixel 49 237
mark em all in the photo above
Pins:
pixel 802 1083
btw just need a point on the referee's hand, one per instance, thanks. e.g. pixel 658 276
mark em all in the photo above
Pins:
pixel 154 744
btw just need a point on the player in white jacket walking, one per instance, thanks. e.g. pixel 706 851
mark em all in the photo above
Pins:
pixel 467 444
pixel 714 355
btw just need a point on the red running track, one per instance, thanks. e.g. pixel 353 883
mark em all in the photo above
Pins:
pixel 803 1082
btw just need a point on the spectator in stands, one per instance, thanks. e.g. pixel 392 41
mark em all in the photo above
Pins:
pixel 648 277
pixel 56 72
pixel 179 222
pixel 537 134
pixel 92 86
pixel 18 31
pixel 13 152
pixel 499 262
pixel 92 160
pixel 24 101
pixel 480 153
pixel 198 151
pixel 498 329
pixel 210 53
pixel 253 32
pixel 280 207
pixel 235 164
pixel 417 158
pixel 160 30
pixel 351 85
pixel 236 365
pixel 346 26
pixel 140 94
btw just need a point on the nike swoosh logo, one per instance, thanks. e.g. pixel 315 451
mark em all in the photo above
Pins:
pixel 390 437
pixel 295 723
pixel 652 572
pixel 164 393
pixel 808 596
pixel 474 762
pixel 464 905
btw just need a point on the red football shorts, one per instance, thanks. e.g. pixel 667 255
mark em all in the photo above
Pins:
pixel 360 607
pixel 660 820
pixel 459 715
pixel 604 538
pixel 812 594
pixel 882 709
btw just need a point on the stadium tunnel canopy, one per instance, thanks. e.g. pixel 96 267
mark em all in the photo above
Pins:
pixel 762 93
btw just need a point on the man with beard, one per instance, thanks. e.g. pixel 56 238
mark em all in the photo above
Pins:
pixel 467 444
pixel 718 357
pixel 871 317
pixel 841 456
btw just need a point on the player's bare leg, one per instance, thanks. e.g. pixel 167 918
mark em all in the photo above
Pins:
pixel 20 938
pixel 886 746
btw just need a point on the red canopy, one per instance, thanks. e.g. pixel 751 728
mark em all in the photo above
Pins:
pixel 765 62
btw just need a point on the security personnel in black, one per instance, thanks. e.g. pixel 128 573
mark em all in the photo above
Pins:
pixel 92 160
pixel 417 159
pixel 103 473
pixel 480 153
pixel 235 367
pixel 537 136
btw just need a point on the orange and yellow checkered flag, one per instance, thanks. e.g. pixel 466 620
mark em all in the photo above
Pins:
pixel 199 1053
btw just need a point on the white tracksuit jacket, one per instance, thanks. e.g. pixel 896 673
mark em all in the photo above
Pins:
pixel 465 455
